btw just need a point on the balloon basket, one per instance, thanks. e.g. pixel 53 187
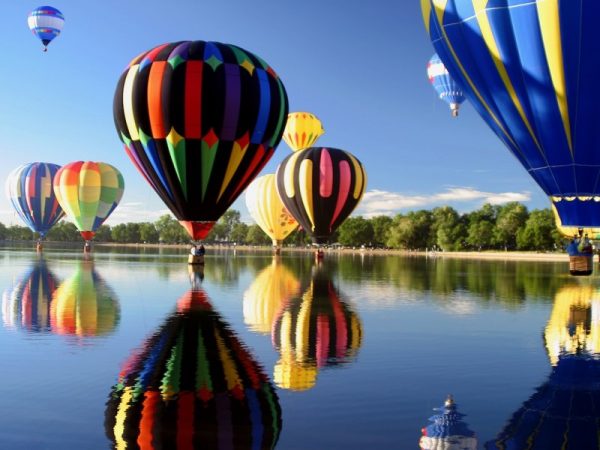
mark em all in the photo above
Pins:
pixel 581 265
pixel 196 259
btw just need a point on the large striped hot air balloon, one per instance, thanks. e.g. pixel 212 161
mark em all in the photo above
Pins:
pixel 267 209
pixel 45 22
pixel 447 430
pixel 84 305
pixel 312 331
pixel 193 384
pixel 199 120
pixel 29 188
pixel 88 193
pixel 302 130
pixel 529 67
pixel 27 304
pixel 320 187
pixel 448 90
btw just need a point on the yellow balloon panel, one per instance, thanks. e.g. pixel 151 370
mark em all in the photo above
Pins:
pixel 302 130
pixel 593 233
pixel 267 209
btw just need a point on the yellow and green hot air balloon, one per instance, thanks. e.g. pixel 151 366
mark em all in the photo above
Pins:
pixel 267 209
pixel 302 130
pixel 84 305
pixel 88 192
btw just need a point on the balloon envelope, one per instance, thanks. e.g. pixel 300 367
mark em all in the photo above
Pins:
pixel 29 188
pixel 320 187
pixel 88 193
pixel 302 130
pixel 267 209
pixel 447 89
pixel 529 67
pixel 199 120
pixel 46 23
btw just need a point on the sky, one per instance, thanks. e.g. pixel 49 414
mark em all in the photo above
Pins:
pixel 360 66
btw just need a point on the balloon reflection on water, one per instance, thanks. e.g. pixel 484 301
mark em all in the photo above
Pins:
pixel 267 295
pixel 315 330
pixel 84 305
pixel 193 384
pixel 27 304
pixel 564 412
pixel 447 430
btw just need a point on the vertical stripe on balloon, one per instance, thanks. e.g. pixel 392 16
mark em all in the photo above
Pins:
pixel 155 100
pixel 232 102
pixel 263 108
pixel 306 188
pixel 193 99
pixel 128 103
pixel 238 151
pixel 325 174
pixel 209 147
pixel 343 191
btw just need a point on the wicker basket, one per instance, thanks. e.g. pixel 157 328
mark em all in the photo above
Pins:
pixel 581 265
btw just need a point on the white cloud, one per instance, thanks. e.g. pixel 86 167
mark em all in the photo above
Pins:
pixel 377 202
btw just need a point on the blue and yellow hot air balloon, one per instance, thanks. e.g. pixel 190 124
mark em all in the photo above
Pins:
pixel 447 89
pixel 530 69
pixel 45 22
pixel 29 188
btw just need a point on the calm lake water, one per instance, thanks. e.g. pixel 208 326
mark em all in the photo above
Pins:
pixel 132 350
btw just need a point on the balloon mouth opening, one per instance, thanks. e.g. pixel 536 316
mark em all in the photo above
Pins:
pixel 196 229
pixel 88 235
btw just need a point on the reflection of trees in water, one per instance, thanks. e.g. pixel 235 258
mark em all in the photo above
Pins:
pixel 193 384
pixel 508 282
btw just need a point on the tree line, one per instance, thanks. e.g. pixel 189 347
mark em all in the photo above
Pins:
pixel 492 227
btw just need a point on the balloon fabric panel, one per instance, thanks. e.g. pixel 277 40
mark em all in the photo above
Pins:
pixel 320 187
pixel 46 23
pixel 199 120
pixel 529 69
pixel 29 188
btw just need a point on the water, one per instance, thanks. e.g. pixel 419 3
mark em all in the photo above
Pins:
pixel 132 350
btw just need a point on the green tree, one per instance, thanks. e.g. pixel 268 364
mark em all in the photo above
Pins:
pixel 103 234
pixel 450 229
pixel 298 238
pixel 170 231
pixel 3 232
pixel 19 233
pixel 539 232
pixel 511 217
pixel 118 233
pixel 480 235
pixel 355 231
pixel 239 233
pixel 381 227
pixel 411 231
pixel 65 232
pixel 256 236
pixel 148 233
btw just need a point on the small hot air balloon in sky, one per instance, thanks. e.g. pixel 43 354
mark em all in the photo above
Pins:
pixel 267 209
pixel 46 23
pixel 447 430
pixel 29 188
pixel 320 187
pixel 302 130
pixel 88 193
pixel 313 330
pixel 84 305
pixel 529 68
pixel 193 384
pixel 199 120
pixel 447 89
pixel 27 304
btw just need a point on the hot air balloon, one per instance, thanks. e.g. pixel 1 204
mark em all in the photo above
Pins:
pixel 312 331
pixel 45 22
pixel 193 384
pixel 29 188
pixel 447 89
pixel 199 120
pixel 529 67
pixel 88 193
pixel 302 130
pixel 267 209
pixel 84 305
pixel 320 187
pixel 27 304
pixel 447 430
pixel 267 295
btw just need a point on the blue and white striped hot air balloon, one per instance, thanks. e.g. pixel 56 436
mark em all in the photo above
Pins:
pixel 530 69
pixel 447 89
pixel 46 23
pixel 29 188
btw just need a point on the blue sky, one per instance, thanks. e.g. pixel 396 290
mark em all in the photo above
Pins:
pixel 359 66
